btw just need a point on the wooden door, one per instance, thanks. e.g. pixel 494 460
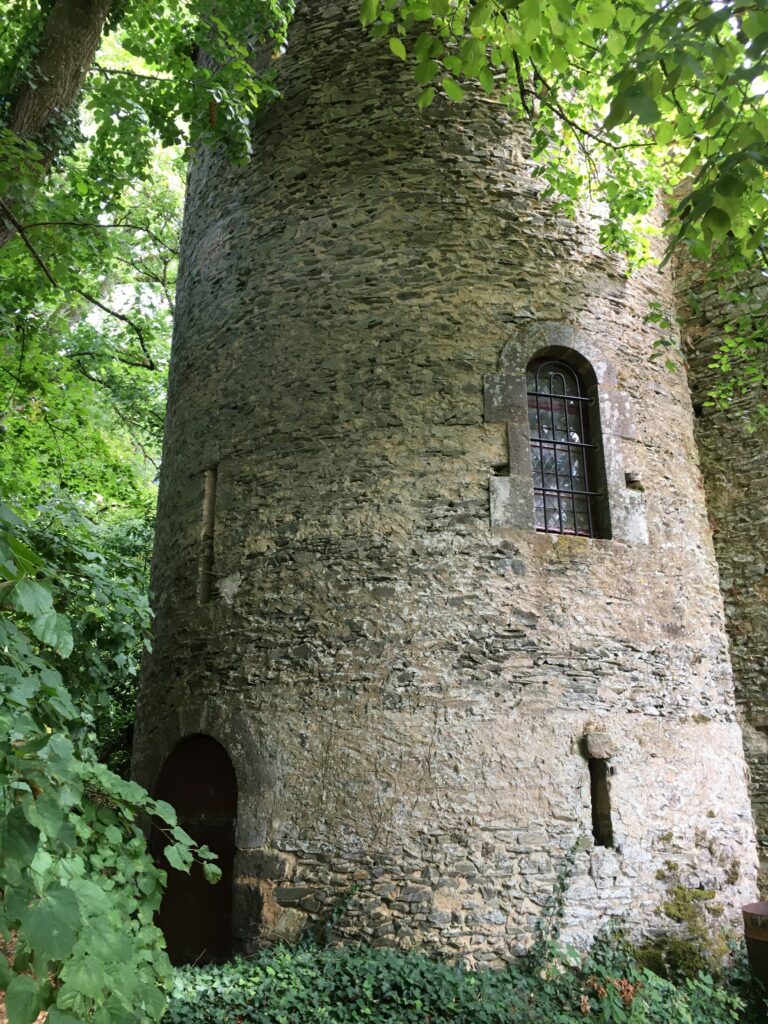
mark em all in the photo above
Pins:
pixel 199 781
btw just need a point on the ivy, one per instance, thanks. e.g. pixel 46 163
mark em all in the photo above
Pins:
pixel 347 985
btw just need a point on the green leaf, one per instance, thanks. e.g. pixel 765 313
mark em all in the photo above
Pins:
pixel 717 221
pixel 22 1000
pixel 19 690
pixel 426 96
pixel 56 1016
pixel 211 872
pixel 602 16
pixel 453 90
pixel 7 515
pixel 19 838
pixel 165 811
pixel 28 560
pixel 46 814
pixel 51 925
pixel 618 113
pixel 178 856
pixel 426 71
pixel 53 629
pixel 481 13
pixel 644 108
pixel 30 597
pixel 369 11
pixel 616 43
pixel 397 47
pixel 472 56
pixel 730 185
pixel 665 133
pixel 486 80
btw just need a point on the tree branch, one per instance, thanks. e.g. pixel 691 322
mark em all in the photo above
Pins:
pixel 148 362
pixel 95 224
pixel 521 84
pixel 25 238
pixel 577 128
pixel 130 74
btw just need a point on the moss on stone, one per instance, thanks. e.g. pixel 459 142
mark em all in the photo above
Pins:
pixel 684 904
pixel 696 945
pixel 672 956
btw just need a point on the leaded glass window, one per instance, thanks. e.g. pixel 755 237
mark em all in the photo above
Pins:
pixel 561 449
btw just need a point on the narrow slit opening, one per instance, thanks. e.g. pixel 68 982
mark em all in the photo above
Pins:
pixel 205 560
pixel 602 826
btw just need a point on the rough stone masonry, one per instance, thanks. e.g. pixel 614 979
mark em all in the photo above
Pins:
pixel 414 686
pixel 733 444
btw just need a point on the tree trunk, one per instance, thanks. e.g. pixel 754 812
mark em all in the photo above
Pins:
pixel 69 43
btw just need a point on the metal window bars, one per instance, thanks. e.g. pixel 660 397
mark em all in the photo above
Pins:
pixel 564 501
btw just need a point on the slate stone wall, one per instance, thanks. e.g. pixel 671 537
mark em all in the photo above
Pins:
pixel 410 690
pixel 734 459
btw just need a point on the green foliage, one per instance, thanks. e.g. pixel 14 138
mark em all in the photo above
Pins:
pixel 101 574
pixel 739 979
pixel 191 100
pixel 87 280
pixel 351 984
pixel 79 890
pixel 82 386
pixel 550 922
pixel 632 95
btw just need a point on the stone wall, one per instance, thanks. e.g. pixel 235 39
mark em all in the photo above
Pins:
pixel 734 459
pixel 408 691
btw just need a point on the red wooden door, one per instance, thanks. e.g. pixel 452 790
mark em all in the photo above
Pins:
pixel 196 917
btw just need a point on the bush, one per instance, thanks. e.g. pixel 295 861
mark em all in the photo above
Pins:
pixel 350 985
pixel 79 889
pixel 739 979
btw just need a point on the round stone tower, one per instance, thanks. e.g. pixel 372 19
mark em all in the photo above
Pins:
pixel 447 630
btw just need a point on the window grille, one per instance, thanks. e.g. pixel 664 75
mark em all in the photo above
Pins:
pixel 561 450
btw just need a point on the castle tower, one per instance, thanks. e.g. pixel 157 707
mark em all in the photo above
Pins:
pixel 433 564
pixel 733 445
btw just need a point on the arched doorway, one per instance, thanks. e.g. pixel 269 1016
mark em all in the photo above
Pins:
pixel 196 917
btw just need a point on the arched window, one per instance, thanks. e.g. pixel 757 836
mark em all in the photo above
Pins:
pixel 568 485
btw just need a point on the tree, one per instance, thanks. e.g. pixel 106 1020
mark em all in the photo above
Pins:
pixel 82 378
pixel 632 96
pixel 624 101
pixel 91 165
pixel 47 59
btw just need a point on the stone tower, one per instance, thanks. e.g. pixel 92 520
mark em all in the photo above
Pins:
pixel 733 445
pixel 427 700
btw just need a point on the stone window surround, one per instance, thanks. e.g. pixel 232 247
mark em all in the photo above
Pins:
pixel 506 401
